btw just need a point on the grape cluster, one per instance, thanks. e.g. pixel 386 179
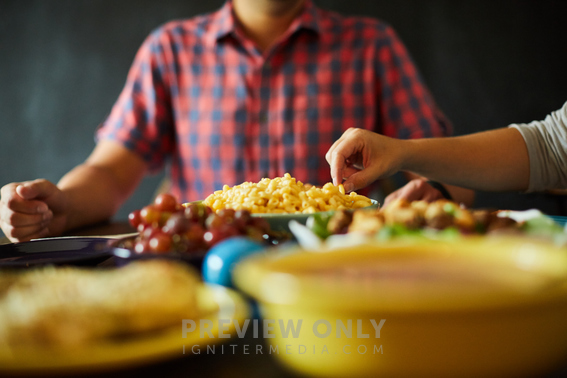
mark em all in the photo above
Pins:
pixel 168 226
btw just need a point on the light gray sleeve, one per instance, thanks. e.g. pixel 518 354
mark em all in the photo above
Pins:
pixel 547 149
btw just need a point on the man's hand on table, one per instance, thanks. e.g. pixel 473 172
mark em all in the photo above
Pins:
pixel 32 209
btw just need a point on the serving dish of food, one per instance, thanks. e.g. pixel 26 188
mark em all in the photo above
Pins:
pixel 476 307
pixel 285 195
pixel 420 220
pixel 69 320
pixel 283 199
pixel 171 230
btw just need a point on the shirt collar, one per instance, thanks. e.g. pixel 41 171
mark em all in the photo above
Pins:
pixel 224 23
pixel 308 19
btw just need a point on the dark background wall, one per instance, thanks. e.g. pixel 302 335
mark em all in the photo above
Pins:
pixel 489 63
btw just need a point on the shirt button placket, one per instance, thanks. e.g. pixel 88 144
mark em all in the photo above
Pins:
pixel 264 94
pixel 263 119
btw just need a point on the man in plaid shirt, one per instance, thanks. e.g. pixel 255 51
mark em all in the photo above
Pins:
pixel 256 89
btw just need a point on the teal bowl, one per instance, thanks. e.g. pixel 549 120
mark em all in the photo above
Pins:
pixel 280 222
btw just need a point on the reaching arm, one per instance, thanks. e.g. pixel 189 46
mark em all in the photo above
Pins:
pixel 494 160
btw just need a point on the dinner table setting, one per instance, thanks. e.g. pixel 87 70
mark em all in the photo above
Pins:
pixel 239 284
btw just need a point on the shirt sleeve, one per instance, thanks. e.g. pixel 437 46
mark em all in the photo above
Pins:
pixel 547 150
pixel 141 118
pixel 406 105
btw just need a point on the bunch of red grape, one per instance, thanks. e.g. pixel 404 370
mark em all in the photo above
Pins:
pixel 168 226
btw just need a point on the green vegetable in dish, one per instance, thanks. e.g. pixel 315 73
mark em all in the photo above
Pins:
pixel 318 223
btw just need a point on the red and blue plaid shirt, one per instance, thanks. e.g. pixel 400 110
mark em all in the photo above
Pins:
pixel 200 94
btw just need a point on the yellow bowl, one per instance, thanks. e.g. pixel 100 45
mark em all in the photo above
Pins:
pixel 438 309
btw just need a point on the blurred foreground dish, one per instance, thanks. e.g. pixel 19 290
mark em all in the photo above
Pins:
pixel 147 324
pixel 474 307
pixel 72 307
